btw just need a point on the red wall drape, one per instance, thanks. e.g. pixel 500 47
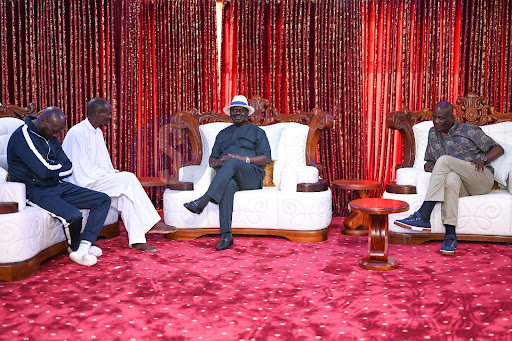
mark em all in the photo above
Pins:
pixel 301 55
pixel 358 60
pixel 148 58
pixel 417 53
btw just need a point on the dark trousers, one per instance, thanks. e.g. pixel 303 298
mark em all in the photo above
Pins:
pixel 64 201
pixel 234 175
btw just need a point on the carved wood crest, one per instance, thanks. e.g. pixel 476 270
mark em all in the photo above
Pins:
pixel 15 111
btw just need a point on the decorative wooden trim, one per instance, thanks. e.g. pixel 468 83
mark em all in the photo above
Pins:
pixel 470 109
pixel 181 186
pixel 392 187
pixel 422 237
pixel 319 186
pixel 263 115
pixel 296 236
pixel 8 110
pixel 22 270
pixel 152 181
pixel 8 207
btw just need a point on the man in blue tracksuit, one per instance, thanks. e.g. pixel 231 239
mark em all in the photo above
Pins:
pixel 35 158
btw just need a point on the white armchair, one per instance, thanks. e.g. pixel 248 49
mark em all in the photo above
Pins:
pixel 481 217
pixel 298 207
pixel 28 235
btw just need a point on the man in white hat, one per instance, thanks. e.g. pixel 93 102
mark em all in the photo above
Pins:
pixel 239 153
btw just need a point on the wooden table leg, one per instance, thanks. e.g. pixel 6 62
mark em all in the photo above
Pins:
pixel 356 223
pixel 377 258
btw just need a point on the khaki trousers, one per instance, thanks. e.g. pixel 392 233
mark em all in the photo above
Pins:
pixel 452 179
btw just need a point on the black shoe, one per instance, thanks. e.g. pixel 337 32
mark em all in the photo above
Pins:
pixel 224 243
pixel 193 206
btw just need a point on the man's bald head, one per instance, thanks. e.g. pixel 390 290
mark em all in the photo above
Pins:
pixel 99 112
pixel 443 117
pixel 51 122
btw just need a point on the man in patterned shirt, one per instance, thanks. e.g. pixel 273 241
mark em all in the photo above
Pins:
pixel 458 155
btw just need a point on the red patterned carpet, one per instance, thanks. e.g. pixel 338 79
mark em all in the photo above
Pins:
pixel 264 289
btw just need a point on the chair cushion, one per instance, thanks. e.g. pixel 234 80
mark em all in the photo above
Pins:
pixel 209 133
pixel 7 126
pixel 421 140
pixel 499 131
pixel 273 133
pixel 292 148
pixel 503 164
pixel 3 175
pixel 269 175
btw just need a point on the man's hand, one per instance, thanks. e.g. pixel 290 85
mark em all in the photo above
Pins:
pixel 479 164
pixel 229 156
pixel 215 163
pixel 429 166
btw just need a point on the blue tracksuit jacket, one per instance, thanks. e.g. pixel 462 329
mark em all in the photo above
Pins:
pixel 35 161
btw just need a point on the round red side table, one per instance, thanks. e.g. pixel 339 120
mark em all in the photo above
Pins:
pixel 378 209
pixel 356 223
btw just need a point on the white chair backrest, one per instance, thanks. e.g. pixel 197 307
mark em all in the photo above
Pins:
pixel 7 126
pixel 208 133
pixel 421 140
pixel 289 137
pixel 502 132
pixel 292 148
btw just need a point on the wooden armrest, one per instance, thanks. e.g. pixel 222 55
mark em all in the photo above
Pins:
pixel 180 186
pixel 8 207
pixel 319 186
pixel 152 181
pixel 392 187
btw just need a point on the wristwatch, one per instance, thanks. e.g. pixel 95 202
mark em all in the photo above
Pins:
pixel 483 158
pixel 247 159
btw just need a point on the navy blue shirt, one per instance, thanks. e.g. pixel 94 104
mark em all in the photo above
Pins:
pixel 249 140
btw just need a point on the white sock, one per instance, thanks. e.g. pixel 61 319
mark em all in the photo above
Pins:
pixel 82 256
pixel 94 250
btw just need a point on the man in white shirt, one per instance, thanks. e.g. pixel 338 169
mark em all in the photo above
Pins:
pixel 92 168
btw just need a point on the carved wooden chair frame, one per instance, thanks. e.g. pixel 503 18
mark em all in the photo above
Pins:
pixel 264 114
pixel 472 109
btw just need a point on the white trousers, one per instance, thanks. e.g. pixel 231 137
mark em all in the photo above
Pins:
pixel 130 199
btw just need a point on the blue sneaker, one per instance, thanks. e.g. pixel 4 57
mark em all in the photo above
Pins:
pixel 414 222
pixel 449 245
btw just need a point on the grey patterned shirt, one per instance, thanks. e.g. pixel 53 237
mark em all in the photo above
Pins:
pixel 463 140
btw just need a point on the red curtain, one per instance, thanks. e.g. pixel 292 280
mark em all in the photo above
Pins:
pixel 358 60
pixel 148 58
pixel 177 57
pixel 417 53
pixel 301 55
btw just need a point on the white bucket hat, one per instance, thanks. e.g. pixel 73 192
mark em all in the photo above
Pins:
pixel 239 101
